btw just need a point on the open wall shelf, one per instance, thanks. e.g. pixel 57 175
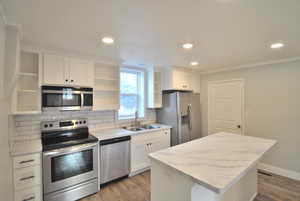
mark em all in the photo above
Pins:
pixel 26 96
pixel 106 87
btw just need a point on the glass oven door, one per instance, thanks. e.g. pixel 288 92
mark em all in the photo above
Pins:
pixel 69 166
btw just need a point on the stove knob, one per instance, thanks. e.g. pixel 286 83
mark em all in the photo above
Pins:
pixel 80 122
pixel 84 122
pixel 46 126
pixel 51 125
pixel 76 122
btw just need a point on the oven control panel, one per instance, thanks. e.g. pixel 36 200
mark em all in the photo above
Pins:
pixel 63 124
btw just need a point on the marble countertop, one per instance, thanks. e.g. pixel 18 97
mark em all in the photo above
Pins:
pixel 217 161
pixel 26 147
pixel 35 146
pixel 104 134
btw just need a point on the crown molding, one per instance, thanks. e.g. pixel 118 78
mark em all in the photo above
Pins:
pixel 30 47
pixel 16 27
pixel 288 60
pixel 2 14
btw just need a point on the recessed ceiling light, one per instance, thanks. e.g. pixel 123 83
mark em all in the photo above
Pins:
pixel 277 45
pixel 187 45
pixel 194 63
pixel 108 40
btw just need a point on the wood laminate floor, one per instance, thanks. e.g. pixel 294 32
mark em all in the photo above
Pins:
pixel 137 188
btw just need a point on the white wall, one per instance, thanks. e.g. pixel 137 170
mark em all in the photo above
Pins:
pixel 272 108
pixel 2 54
pixel 5 164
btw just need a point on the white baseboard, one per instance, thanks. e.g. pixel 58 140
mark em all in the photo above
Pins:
pixel 138 172
pixel 279 171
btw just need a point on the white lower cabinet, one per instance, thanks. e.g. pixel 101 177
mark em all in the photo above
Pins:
pixel 31 194
pixel 26 161
pixel 144 144
pixel 27 177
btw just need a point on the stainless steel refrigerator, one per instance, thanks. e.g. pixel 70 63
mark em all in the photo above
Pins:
pixel 181 110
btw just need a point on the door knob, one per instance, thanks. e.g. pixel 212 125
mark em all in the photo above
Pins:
pixel 238 126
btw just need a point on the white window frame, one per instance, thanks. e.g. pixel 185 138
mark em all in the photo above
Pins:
pixel 140 90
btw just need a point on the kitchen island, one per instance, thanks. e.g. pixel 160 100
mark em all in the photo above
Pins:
pixel 219 167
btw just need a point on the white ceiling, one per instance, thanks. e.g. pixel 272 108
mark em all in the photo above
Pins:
pixel 226 33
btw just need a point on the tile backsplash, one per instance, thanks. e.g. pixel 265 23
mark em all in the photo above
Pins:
pixel 27 127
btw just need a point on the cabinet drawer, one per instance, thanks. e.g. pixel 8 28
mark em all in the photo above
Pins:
pixel 31 194
pixel 27 177
pixel 27 161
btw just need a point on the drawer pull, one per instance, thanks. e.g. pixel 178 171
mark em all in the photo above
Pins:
pixel 30 198
pixel 28 161
pixel 26 178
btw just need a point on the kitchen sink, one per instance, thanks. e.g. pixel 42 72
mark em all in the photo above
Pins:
pixel 141 128
pixel 150 126
pixel 134 128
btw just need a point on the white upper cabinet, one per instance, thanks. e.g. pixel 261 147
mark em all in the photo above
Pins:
pixel 59 70
pixel 81 72
pixel 55 70
pixel 181 79
pixel 154 89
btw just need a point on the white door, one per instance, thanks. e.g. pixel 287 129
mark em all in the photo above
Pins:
pixel 226 107
pixel 54 70
pixel 81 72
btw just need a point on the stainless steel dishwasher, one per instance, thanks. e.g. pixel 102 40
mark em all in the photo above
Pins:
pixel 114 159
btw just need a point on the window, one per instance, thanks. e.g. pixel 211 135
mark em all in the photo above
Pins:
pixel 131 93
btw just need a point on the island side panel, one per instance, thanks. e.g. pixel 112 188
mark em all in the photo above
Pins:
pixel 168 184
pixel 244 190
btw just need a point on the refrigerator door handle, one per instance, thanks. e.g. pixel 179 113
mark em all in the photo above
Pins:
pixel 190 116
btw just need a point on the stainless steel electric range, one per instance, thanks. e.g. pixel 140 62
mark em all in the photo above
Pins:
pixel 70 160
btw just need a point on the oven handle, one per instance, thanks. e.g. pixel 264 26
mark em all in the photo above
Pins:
pixel 82 100
pixel 60 92
pixel 72 149
pixel 63 92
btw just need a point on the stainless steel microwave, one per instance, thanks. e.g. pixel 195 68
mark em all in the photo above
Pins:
pixel 66 98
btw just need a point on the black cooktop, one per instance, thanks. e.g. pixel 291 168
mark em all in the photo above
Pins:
pixel 56 138
pixel 72 142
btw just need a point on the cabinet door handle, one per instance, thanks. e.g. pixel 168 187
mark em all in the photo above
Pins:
pixel 26 178
pixel 30 198
pixel 28 161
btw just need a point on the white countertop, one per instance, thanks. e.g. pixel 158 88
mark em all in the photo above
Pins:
pixel 26 147
pixel 35 146
pixel 104 134
pixel 217 161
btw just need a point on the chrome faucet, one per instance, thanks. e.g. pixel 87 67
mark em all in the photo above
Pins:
pixel 136 122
